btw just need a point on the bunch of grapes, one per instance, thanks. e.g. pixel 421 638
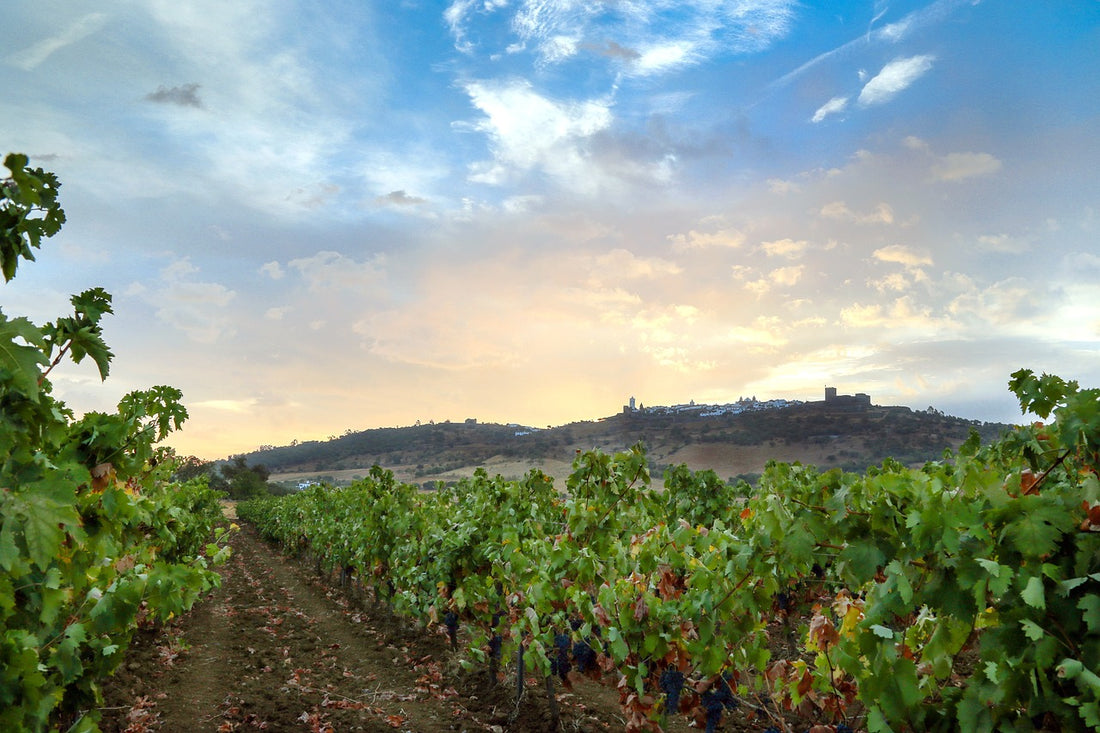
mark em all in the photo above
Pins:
pixel 672 682
pixel 559 664
pixel 718 698
pixel 450 620
pixel 584 655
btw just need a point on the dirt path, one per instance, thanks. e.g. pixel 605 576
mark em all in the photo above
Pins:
pixel 276 649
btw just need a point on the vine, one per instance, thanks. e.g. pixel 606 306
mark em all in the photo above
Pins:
pixel 94 538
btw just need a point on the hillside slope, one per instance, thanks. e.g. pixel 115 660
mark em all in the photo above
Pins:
pixel 731 445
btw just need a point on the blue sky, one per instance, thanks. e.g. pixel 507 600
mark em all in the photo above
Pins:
pixel 325 216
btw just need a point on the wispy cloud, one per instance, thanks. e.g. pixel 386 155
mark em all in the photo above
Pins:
pixel 645 38
pixel 327 270
pixel 1002 243
pixel 894 78
pixel 195 307
pixel 833 106
pixel 890 34
pixel 78 30
pixel 622 263
pixel 960 166
pixel 702 240
pixel 882 214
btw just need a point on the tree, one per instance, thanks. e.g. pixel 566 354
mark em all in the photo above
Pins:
pixel 240 480
pixel 191 467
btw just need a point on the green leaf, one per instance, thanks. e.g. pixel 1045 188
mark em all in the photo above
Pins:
pixel 22 361
pixel 92 303
pixel 1033 593
pixel 1032 630
pixel 619 648
pixel 66 657
pixel 9 552
pixel 863 558
pixel 44 520
pixel 991 566
pixel 1090 605
pixel 1039 394
pixel 88 341
pixel 1038 526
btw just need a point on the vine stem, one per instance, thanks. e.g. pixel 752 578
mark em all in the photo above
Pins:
pixel 1043 476
pixel 55 362
pixel 618 497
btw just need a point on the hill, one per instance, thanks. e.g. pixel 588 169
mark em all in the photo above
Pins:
pixel 827 435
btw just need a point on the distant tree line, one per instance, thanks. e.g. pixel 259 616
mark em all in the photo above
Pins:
pixel 235 477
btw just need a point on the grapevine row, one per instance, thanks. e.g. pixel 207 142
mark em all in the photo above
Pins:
pixel 964 594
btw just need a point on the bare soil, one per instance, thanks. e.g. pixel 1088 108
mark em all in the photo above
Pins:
pixel 278 647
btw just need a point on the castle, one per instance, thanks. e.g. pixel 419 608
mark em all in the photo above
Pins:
pixel 858 400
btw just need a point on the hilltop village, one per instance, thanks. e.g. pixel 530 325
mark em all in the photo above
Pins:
pixel 747 404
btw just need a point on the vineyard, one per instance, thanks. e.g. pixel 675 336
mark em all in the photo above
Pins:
pixel 961 595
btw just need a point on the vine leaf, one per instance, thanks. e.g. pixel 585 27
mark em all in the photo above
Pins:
pixel 22 362
pixel 1033 594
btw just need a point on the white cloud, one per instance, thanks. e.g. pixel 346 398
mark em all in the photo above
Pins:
pixel 960 166
pixel 528 131
pixel 521 204
pixel 277 314
pixel 622 263
pixel 702 240
pixel 901 313
pixel 787 248
pixel 1001 243
pixel 895 281
pixel 273 270
pixel 239 406
pixel 782 187
pixel 1083 262
pixel 915 143
pixel 833 106
pixel 894 78
pixel 883 213
pixel 1009 304
pixel 787 275
pixel 178 269
pixel 664 56
pixel 196 308
pixel 329 270
pixel 781 277
pixel 902 255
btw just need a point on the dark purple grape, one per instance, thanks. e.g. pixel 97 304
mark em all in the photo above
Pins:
pixel 712 705
pixel 560 665
pixel 584 655
pixel 672 683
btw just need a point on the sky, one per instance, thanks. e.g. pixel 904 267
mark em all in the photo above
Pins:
pixel 322 216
